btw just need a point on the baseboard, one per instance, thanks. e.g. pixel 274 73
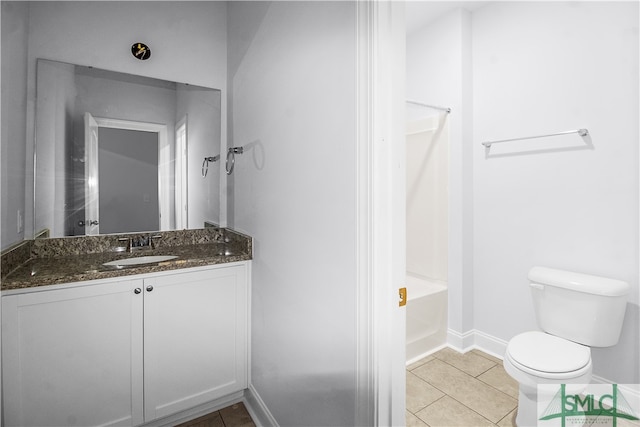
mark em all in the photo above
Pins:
pixel 632 390
pixel 460 342
pixel 197 411
pixel 489 344
pixel 475 339
pixel 261 415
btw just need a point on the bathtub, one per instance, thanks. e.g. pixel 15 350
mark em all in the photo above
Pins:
pixel 426 317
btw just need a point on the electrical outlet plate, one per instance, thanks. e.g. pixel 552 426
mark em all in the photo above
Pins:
pixel 19 221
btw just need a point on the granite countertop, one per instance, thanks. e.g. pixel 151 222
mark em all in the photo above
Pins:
pixel 67 260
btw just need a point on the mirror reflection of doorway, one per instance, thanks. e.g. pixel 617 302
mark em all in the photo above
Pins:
pixel 126 176
pixel 128 180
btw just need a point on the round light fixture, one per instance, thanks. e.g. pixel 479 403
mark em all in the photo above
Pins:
pixel 141 51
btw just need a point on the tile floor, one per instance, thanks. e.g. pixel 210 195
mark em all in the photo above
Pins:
pixel 235 415
pixel 453 389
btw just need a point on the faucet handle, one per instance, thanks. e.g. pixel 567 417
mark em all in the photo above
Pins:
pixel 128 240
pixel 151 240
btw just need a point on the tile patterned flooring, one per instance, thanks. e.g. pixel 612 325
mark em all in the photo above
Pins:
pixel 235 415
pixel 453 389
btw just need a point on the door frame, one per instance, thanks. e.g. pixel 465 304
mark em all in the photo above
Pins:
pixel 181 176
pixel 380 241
pixel 164 160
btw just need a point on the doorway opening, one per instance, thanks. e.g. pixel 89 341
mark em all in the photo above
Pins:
pixel 127 176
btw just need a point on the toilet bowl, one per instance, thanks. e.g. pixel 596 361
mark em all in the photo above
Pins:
pixel 534 358
pixel 575 312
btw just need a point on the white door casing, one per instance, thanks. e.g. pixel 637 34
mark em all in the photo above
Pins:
pixel 181 175
pixel 92 185
pixel 91 198
pixel 381 213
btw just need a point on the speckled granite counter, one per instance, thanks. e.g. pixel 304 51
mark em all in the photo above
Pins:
pixel 44 262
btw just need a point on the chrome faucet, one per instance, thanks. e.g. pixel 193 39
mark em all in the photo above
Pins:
pixel 139 243
pixel 128 241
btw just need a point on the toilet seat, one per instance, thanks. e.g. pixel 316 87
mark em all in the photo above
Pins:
pixel 547 356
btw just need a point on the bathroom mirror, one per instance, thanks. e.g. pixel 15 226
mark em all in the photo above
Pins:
pixel 118 153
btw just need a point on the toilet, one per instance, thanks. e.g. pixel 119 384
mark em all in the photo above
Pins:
pixel 574 312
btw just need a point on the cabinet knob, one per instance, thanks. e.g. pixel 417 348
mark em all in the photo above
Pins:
pixel 137 290
pixel 149 288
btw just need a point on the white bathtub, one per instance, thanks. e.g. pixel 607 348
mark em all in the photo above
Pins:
pixel 426 317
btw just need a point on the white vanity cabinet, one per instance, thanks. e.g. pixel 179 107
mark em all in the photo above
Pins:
pixel 195 339
pixel 73 357
pixel 125 351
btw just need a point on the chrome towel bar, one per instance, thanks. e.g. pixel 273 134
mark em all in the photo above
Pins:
pixel 581 132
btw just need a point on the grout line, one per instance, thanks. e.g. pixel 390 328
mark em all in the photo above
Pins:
pixel 464 354
pixel 505 417
pixel 484 372
pixel 438 399
pixel 497 389
pixel 464 372
pixel 473 410
pixel 480 353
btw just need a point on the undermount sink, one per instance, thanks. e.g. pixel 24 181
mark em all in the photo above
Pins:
pixel 139 260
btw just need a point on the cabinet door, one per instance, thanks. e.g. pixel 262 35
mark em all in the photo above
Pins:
pixel 73 357
pixel 195 338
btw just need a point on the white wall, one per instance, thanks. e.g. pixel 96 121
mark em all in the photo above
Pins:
pixel 188 41
pixel 14 120
pixel 540 68
pixel 438 72
pixel 294 112
pixel 187 38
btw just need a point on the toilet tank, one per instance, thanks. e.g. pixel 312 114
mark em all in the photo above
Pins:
pixel 579 307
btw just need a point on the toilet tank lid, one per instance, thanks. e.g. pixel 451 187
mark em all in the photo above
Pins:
pixel 578 282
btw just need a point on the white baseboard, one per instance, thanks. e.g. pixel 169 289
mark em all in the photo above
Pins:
pixel 259 412
pixel 475 339
pixel 489 344
pixel 460 342
pixel 632 390
pixel 197 411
